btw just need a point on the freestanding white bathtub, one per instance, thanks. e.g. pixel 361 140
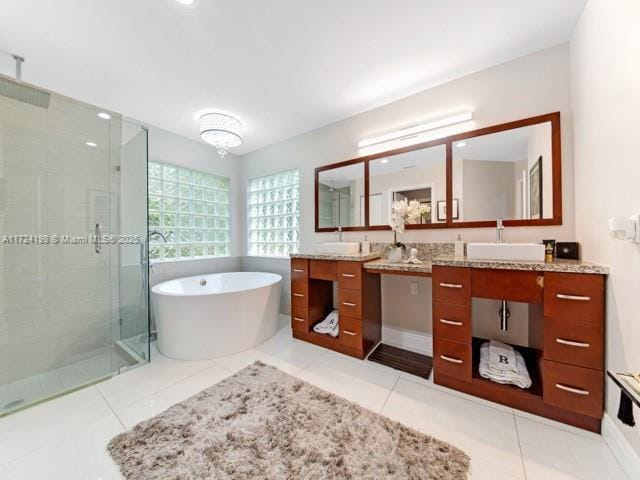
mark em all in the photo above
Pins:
pixel 209 316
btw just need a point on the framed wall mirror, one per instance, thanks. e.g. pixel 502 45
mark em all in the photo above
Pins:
pixel 419 175
pixel 510 171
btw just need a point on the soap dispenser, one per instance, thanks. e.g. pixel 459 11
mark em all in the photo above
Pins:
pixel 365 246
pixel 459 247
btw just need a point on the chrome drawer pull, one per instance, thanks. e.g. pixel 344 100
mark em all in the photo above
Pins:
pixel 347 304
pixel 298 270
pixel 450 322
pixel 348 275
pixel 451 359
pixel 348 332
pixel 298 319
pixel 450 285
pixel 577 391
pixel 571 343
pixel 298 295
pixel 577 298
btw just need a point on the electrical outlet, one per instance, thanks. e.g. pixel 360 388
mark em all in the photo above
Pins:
pixel 413 288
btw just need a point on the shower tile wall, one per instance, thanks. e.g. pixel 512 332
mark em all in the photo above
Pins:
pixel 55 300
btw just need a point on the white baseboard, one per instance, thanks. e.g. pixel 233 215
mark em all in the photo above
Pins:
pixel 623 451
pixel 283 321
pixel 408 340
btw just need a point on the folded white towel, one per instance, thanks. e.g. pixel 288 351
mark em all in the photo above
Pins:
pixel 520 379
pixel 330 325
pixel 502 357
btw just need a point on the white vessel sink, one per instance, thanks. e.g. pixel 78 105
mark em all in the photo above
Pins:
pixel 338 248
pixel 506 251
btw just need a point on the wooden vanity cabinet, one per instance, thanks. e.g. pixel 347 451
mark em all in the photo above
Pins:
pixel 320 286
pixel 566 336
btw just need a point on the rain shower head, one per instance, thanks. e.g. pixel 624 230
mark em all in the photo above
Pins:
pixel 24 93
pixel 17 90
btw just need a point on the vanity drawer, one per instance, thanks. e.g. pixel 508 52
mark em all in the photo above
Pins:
pixel 573 388
pixel 452 322
pixel 452 359
pixel 573 342
pixel 452 285
pixel 323 269
pixel 350 333
pixel 350 303
pixel 299 319
pixel 574 296
pixel 350 275
pixel 517 286
pixel 299 294
pixel 299 269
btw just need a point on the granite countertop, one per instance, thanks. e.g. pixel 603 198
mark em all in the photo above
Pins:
pixel 358 257
pixel 556 265
pixel 382 264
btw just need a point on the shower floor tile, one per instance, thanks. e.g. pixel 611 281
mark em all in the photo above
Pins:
pixel 33 389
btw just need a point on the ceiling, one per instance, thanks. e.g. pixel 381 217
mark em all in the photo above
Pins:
pixel 283 66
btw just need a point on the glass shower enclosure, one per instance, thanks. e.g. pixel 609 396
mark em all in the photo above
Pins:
pixel 74 306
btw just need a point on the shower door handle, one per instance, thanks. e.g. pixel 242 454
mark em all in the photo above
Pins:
pixel 98 234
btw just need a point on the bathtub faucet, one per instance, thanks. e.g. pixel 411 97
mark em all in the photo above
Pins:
pixel 158 233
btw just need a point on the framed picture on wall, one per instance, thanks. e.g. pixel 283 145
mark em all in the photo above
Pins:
pixel 535 189
pixel 442 210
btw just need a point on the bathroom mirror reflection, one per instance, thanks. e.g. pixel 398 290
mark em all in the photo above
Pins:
pixel 417 175
pixel 506 174
pixel 341 193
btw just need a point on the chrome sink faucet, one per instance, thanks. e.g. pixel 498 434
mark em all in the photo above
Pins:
pixel 339 234
pixel 499 230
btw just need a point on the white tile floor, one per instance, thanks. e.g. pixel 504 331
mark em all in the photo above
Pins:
pixel 66 438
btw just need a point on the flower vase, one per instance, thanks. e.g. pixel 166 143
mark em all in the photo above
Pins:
pixel 395 254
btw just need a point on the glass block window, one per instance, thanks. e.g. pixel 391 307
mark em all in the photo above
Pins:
pixel 191 209
pixel 274 214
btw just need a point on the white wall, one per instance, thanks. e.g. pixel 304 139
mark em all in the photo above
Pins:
pixel 539 145
pixel 532 85
pixel 170 148
pixel 488 190
pixel 605 81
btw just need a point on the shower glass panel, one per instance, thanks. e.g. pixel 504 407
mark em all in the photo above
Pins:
pixel 134 265
pixel 64 172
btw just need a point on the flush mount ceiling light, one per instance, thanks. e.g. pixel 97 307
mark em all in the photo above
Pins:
pixel 91 144
pixel 221 130
pixel 415 130
pixel 104 115
pixel 186 2
pixel 461 144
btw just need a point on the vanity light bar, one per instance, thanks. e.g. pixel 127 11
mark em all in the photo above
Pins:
pixel 417 129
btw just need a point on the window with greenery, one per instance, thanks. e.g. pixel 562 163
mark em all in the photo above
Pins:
pixel 191 209
pixel 273 203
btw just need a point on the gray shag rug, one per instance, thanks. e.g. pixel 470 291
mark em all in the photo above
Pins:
pixel 264 424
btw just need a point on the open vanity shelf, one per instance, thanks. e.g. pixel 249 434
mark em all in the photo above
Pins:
pixel 313 284
pixel 565 356
pixel 532 358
